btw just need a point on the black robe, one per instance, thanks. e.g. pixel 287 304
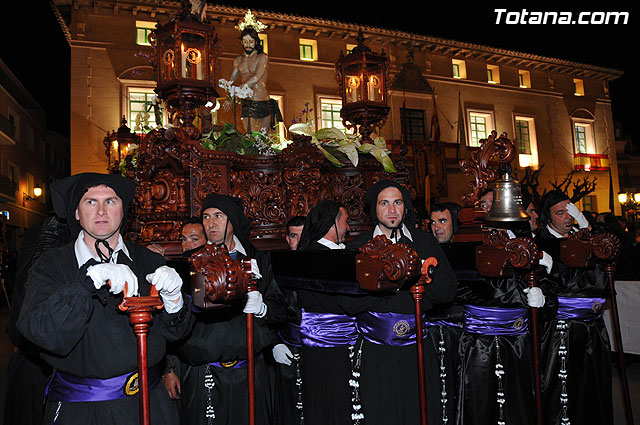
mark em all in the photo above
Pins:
pixel 220 336
pixel 388 384
pixel 81 331
pixel 588 358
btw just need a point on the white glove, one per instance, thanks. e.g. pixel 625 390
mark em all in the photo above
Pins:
pixel 535 298
pixel 169 284
pixel 282 354
pixel 117 275
pixel 546 261
pixel 255 269
pixel 255 305
pixel 577 215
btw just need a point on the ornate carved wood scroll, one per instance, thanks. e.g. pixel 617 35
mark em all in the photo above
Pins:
pixel 498 255
pixel 175 174
pixel 496 148
pixel 218 278
pixel 383 265
pixel 583 248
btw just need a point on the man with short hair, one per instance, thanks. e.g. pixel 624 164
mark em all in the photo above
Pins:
pixel 444 221
pixel 294 230
pixel 71 313
pixel 557 214
pixel 530 209
pixel 486 200
pixel 389 373
pixel 192 234
pixel 214 379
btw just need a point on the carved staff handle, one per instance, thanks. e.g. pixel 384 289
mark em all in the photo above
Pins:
pixel 417 292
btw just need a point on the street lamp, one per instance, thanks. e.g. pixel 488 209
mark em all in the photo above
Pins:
pixel 362 78
pixel 630 203
pixel 185 51
pixel 37 192
pixel 117 145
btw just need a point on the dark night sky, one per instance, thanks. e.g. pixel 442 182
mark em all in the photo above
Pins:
pixel 610 46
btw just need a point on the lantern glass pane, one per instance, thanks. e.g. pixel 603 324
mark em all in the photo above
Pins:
pixel 192 56
pixel 353 83
pixel 168 60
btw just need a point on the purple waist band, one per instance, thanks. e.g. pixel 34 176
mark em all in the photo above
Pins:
pixel 442 323
pixel 290 334
pixel 69 388
pixel 585 309
pixel 495 320
pixel 388 328
pixel 234 364
pixel 327 329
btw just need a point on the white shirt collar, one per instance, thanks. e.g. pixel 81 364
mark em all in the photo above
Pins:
pixel 405 231
pixel 554 233
pixel 237 246
pixel 331 245
pixel 84 254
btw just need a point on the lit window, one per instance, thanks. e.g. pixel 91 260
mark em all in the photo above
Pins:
pixel 413 123
pixel 142 117
pixel 480 126
pixel 459 68
pixel 589 203
pixel 578 87
pixel 524 79
pixel 308 50
pixel 330 113
pixel 265 45
pixel 143 28
pixel 526 141
pixel 583 137
pixel 493 74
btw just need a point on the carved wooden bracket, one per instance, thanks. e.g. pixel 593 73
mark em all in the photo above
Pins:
pixel 498 255
pixel 496 148
pixel 581 249
pixel 383 265
pixel 218 278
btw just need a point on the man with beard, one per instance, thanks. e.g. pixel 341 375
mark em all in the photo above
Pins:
pixel 214 373
pixel 579 392
pixel 389 376
pixel 260 112
pixel 70 309
pixel 327 333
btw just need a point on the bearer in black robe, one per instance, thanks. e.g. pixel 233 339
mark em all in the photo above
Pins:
pixel 214 378
pixel 328 334
pixel 389 375
pixel 71 313
pixel 575 345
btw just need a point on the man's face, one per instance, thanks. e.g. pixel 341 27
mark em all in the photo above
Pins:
pixel 293 236
pixel 248 44
pixel 561 220
pixel 533 220
pixel 192 236
pixel 100 212
pixel 442 226
pixel 342 226
pixel 390 207
pixel 486 201
pixel 214 222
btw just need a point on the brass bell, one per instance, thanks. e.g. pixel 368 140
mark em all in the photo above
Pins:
pixel 507 201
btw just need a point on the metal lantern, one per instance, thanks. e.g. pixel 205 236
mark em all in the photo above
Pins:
pixel 185 51
pixel 362 78
pixel 117 144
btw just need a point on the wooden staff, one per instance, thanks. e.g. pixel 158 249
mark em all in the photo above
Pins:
pixel 417 291
pixel 250 357
pixel 532 278
pixel 139 310
pixel 610 270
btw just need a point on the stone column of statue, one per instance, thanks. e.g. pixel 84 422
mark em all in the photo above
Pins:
pixel 259 113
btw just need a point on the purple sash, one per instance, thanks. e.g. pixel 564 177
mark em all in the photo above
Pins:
pixel 327 329
pixel 585 309
pixel 393 329
pixel 442 323
pixel 69 388
pixel 234 364
pixel 290 334
pixel 495 320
